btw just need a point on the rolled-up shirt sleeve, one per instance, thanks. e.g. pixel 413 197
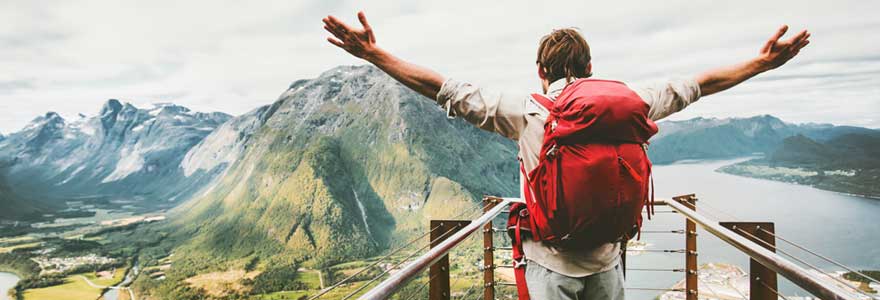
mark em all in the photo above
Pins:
pixel 489 110
pixel 670 97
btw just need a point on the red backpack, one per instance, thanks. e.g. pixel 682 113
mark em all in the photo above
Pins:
pixel 593 175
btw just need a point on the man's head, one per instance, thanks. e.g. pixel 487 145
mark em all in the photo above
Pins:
pixel 563 54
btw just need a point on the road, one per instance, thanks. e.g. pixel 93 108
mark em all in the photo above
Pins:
pixel 92 284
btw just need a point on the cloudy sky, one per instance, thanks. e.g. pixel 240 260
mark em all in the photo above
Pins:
pixel 232 56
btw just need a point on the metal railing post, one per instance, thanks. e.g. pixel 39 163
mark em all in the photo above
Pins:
pixel 489 252
pixel 690 257
pixel 762 281
pixel 438 274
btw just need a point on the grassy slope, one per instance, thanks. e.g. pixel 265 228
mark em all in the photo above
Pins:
pixel 291 199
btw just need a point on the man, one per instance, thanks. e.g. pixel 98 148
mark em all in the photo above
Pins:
pixel 563 56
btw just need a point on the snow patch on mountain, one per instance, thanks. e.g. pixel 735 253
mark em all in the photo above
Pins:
pixel 130 162
pixel 90 155
pixel 72 175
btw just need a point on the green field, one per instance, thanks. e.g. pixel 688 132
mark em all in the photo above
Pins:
pixel 74 288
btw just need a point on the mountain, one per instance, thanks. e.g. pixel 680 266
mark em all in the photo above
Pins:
pixel 338 168
pixel 848 163
pixel 702 138
pixel 712 138
pixel 17 207
pixel 124 153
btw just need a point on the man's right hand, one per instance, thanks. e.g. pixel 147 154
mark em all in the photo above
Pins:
pixel 775 53
pixel 362 43
pixel 359 42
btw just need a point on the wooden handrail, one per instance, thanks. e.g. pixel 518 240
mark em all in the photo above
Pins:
pixel 397 280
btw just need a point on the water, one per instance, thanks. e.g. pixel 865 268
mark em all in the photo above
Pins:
pixel 363 212
pixel 7 282
pixel 113 293
pixel 839 226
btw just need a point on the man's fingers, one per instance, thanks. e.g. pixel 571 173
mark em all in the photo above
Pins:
pixel 802 45
pixel 369 30
pixel 336 42
pixel 798 37
pixel 779 32
pixel 331 27
pixel 336 33
pixel 340 25
pixel 363 19
pixel 773 39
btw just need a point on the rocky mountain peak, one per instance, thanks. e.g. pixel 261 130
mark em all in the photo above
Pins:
pixel 112 106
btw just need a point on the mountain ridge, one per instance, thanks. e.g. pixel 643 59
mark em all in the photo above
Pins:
pixel 124 151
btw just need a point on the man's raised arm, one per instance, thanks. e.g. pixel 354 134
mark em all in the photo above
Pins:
pixel 498 112
pixel 362 43
pixel 774 54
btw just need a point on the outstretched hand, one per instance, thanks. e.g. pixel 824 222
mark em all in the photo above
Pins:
pixel 776 53
pixel 359 42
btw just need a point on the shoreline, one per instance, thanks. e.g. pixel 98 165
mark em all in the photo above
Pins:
pixel 7 293
pixel 866 196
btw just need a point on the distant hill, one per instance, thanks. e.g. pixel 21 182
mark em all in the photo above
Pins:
pixel 712 138
pixel 848 163
pixel 123 153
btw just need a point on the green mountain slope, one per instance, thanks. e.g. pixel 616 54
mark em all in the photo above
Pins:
pixel 341 167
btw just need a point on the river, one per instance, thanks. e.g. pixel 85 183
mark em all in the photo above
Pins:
pixel 7 282
pixel 122 287
pixel 839 226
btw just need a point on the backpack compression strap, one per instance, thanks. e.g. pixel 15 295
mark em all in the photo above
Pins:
pixel 519 213
pixel 544 101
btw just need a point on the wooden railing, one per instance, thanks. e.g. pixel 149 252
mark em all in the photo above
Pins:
pixel 754 239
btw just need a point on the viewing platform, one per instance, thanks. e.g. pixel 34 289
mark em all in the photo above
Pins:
pixel 711 280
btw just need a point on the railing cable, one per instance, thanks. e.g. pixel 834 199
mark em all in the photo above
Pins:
pixel 717 295
pixel 735 289
pixel 707 207
pixel 422 287
pixel 384 258
pixel 654 289
pixel 392 283
pixel 758 279
pixel 457 278
pixel 679 231
pixel 820 256
pixel 397 264
pixel 655 270
pixel 471 288
pixel 658 250
pixel 374 264
pixel 806 263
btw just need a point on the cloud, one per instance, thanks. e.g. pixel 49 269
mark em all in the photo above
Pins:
pixel 231 56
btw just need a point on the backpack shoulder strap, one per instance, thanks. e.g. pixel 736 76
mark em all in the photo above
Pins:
pixel 544 101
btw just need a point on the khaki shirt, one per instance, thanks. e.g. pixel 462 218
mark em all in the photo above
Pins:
pixel 518 117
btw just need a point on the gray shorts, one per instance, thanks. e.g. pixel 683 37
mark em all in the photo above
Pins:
pixel 548 285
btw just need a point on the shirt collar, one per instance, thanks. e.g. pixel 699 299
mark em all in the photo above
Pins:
pixel 556 87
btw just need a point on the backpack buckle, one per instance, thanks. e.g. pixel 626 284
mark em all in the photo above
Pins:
pixel 551 153
pixel 519 263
